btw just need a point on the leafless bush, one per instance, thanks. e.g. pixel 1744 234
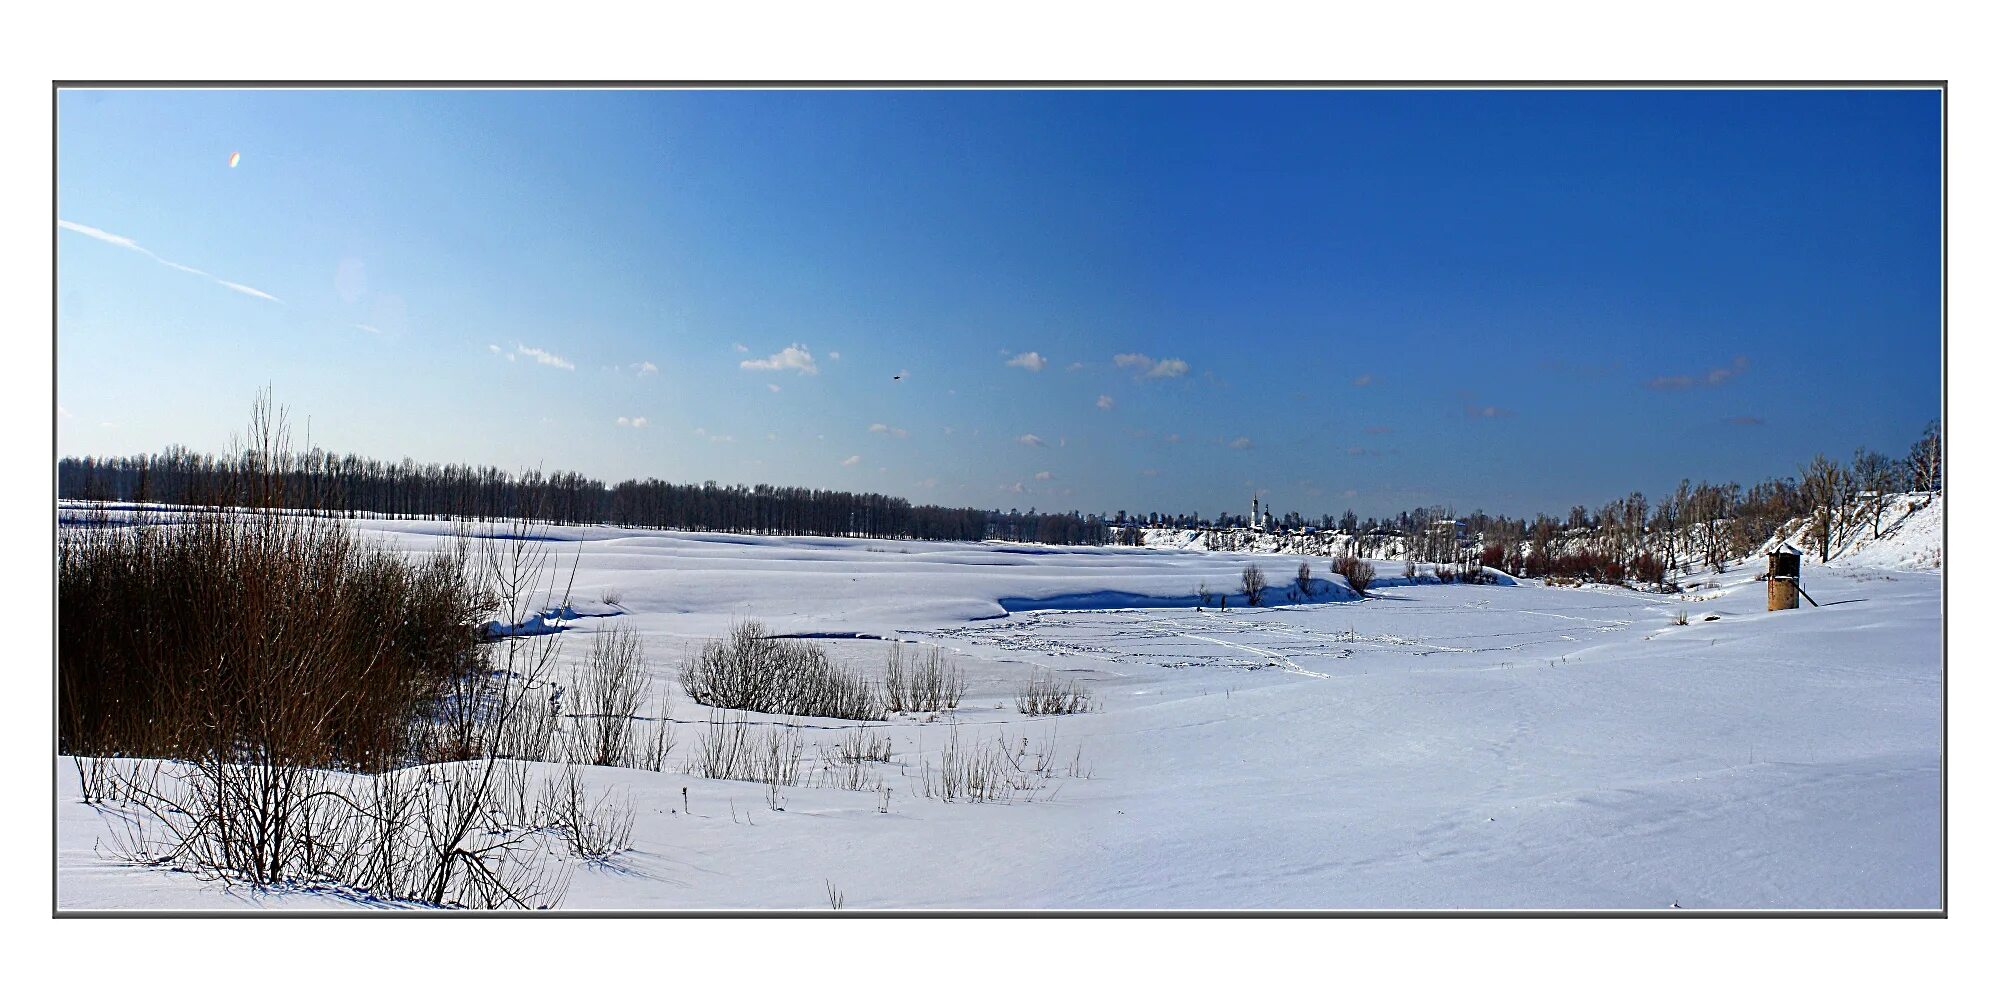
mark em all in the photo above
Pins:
pixel 865 745
pixel 835 898
pixel 749 671
pixel 654 752
pixel 281 698
pixel 731 748
pixel 1046 695
pixel 276 630
pixel 1253 586
pixel 605 695
pixel 1360 573
pixel 97 782
pixel 1002 770
pixel 931 685
pixel 977 773
pixel 590 829
pixel 1680 615
pixel 430 836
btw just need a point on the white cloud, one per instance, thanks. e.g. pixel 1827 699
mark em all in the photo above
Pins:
pixel 1074 366
pixel 1030 360
pixel 128 243
pixel 1031 440
pixel 645 368
pixel 883 428
pixel 852 460
pixel 773 387
pixel 494 347
pixel 1364 380
pixel 365 328
pixel 635 422
pixel 793 358
pixel 740 348
pixel 544 357
pixel 1172 367
pixel 1015 488
pixel 833 355
pixel 1150 472
pixel 1172 438
pixel 1241 444
pixel 1104 402
pixel 1043 476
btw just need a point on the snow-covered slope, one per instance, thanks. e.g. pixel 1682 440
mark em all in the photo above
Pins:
pixel 1908 535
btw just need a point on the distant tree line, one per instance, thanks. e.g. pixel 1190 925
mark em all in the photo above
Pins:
pixel 353 485
pixel 1696 524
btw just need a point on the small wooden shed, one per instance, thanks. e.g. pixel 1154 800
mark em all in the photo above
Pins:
pixel 1784 578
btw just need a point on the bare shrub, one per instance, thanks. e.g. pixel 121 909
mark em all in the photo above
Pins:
pixel 1360 573
pixel 750 671
pixel 433 836
pixel 654 752
pixel 977 773
pixel 1002 770
pixel 590 829
pixel 605 695
pixel 866 745
pixel 1304 579
pixel 1253 586
pixel 931 685
pixel 1046 695
pixel 1648 569
pixel 263 650
pixel 274 630
pixel 731 748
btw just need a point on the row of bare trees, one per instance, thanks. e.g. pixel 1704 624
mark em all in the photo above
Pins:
pixel 353 485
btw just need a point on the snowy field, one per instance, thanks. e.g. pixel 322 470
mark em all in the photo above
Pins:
pixel 1428 747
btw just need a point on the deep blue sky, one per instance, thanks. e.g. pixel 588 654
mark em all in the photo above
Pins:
pixel 1502 300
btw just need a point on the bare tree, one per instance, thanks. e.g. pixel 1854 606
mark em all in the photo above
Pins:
pixel 1826 488
pixel 1925 464
pixel 1253 586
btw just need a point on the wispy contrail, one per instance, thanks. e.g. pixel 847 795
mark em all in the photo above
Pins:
pixel 130 244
